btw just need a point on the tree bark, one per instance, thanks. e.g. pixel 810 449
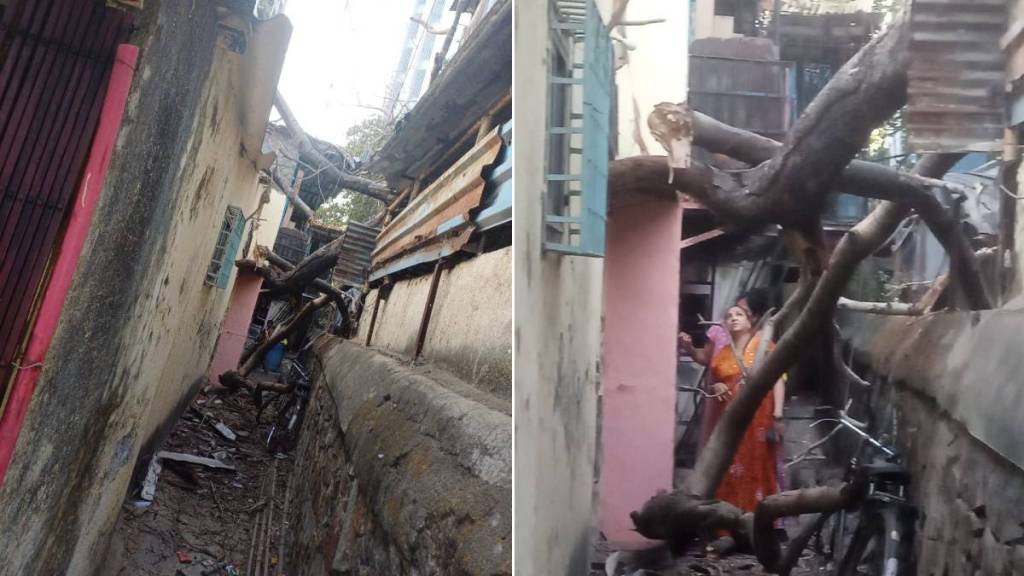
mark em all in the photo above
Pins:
pixel 859 243
pixel 345 180
pixel 816 500
pixel 868 180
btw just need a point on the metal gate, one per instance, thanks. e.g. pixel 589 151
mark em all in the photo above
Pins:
pixel 55 57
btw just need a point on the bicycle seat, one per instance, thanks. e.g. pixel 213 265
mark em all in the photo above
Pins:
pixel 887 472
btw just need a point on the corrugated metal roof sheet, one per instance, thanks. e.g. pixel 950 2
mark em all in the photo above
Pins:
pixel 477 78
pixel 955 96
pixel 354 258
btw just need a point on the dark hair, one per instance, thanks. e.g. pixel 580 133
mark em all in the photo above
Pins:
pixel 759 301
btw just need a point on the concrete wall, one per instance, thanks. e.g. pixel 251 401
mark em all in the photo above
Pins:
pixel 470 330
pixel 139 326
pixel 951 385
pixel 641 279
pixel 399 472
pixel 558 344
pixel 246 291
pixel 656 71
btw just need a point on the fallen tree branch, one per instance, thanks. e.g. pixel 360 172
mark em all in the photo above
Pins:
pixel 860 242
pixel 864 179
pixel 234 381
pixel 816 500
pixel 347 181
pixel 796 546
pixel 252 358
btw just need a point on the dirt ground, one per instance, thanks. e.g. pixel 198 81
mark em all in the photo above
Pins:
pixel 696 563
pixel 206 521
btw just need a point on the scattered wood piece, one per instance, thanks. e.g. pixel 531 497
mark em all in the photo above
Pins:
pixel 216 500
pixel 192 459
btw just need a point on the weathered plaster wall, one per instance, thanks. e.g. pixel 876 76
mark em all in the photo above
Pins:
pixel 656 71
pixel 399 471
pixel 470 330
pixel 234 330
pixel 951 382
pixel 138 326
pixel 641 279
pixel 557 346
pixel 246 291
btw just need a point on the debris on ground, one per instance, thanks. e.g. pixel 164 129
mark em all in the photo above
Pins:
pixel 192 459
pixel 218 501
pixel 696 562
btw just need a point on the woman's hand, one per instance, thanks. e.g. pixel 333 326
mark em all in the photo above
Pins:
pixel 686 343
pixel 720 392
pixel 780 428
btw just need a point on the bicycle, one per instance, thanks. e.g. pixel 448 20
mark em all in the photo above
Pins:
pixel 289 413
pixel 881 541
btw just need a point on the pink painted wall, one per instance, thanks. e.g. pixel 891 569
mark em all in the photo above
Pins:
pixel 235 328
pixel 641 279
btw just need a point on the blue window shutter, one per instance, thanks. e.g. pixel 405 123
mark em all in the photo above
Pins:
pixel 231 248
pixel 597 99
pixel 580 92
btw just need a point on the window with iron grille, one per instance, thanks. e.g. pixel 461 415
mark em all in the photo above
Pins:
pixel 219 271
pixel 580 88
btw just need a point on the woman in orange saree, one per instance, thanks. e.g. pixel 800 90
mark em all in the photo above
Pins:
pixel 753 474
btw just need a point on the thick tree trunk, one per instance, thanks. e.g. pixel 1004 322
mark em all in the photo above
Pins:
pixel 859 243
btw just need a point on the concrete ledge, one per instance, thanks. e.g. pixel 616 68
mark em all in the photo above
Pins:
pixel 969 363
pixel 434 467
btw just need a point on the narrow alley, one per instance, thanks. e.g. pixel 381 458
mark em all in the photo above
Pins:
pixel 199 520
pixel 511 287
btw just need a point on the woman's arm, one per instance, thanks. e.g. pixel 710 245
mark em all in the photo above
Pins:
pixel 779 393
pixel 701 355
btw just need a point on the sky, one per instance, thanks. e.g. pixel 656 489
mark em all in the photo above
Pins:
pixel 341 57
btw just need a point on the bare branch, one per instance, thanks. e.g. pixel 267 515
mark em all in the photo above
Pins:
pixel 291 194
pixel 428 28
pixel 883 308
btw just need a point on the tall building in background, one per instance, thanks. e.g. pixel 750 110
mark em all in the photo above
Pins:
pixel 407 83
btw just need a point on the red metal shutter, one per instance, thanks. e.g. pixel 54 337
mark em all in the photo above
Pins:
pixel 55 57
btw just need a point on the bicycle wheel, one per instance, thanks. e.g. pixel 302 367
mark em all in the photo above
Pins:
pixel 880 546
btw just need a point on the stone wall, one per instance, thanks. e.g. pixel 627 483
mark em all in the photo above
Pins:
pixel 949 386
pixel 399 470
